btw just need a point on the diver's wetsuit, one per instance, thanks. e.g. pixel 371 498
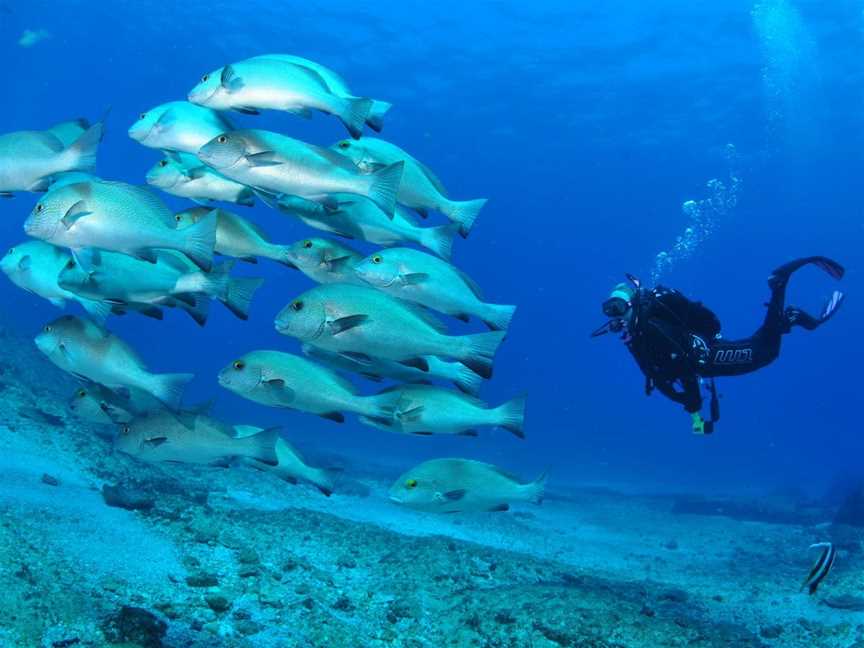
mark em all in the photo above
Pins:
pixel 676 341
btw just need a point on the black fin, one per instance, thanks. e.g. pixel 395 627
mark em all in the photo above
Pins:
pixel 334 416
pixel 346 323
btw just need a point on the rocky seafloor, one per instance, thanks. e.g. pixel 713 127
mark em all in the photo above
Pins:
pixel 97 549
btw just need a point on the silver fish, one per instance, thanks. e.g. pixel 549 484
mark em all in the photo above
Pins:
pixel 462 485
pixel 365 322
pixel 335 84
pixel 324 260
pixel 235 236
pixel 35 266
pixel 284 380
pixel 281 165
pixel 115 278
pixel 97 404
pixel 355 217
pixel 178 126
pixel 119 217
pixel 29 159
pixel 427 410
pixel 429 281
pixel 377 369
pixel 270 84
pixel 420 188
pixel 197 182
pixel 193 439
pixel 90 352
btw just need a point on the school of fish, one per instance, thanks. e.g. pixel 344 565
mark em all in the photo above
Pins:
pixel 113 248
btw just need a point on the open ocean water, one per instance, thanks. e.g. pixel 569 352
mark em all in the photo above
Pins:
pixel 695 145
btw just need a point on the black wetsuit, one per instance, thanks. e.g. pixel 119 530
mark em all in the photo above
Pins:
pixel 676 341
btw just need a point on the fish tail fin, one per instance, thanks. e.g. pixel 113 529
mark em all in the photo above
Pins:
pixel 85 148
pixel 169 388
pixel 479 351
pixel 354 114
pixel 235 292
pixel 324 480
pixel 464 212
pixel 512 416
pixel 199 241
pixel 375 118
pixel 199 312
pixel 498 316
pixel 384 186
pixel 536 490
pixel 466 380
pixel 262 446
pixel 439 239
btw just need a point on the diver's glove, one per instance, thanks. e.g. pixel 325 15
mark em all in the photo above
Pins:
pixel 698 423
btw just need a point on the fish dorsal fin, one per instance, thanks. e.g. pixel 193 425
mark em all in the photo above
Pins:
pixel 308 72
pixel 426 316
pixel 50 140
pixel 337 159
pixel 505 474
pixel 472 285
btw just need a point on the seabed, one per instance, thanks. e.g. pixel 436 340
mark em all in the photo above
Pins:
pixel 191 557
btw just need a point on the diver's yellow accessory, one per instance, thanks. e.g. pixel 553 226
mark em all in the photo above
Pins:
pixel 698 423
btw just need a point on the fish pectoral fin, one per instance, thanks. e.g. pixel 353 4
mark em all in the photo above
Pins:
pixel 155 442
pixel 455 495
pixel 423 433
pixel 247 110
pixel 230 80
pixel 356 356
pixel 264 158
pixel 412 414
pixel 145 254
pixel 347 323
pixel 415 278
pixel 338 264
pixel 25 262
pixel 416 363
pixel 499 508
pixel 186 298
pixel 339 417
pixel 74 213
pixel 276 382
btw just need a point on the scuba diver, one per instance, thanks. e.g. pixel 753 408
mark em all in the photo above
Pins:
pixel 677 343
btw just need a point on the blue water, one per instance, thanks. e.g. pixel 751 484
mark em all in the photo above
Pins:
pixel 587 126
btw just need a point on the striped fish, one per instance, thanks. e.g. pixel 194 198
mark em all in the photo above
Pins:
pixel 821 568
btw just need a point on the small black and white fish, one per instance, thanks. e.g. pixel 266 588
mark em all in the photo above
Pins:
pixel 821 568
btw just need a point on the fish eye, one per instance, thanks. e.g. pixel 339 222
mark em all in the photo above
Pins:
pixel 239 365
pixel 377 258
pixel 163 163
pixel 11 251
pixel 125 429
pixel 70 263
pixel 221 139
pixel 205 77
pixel 39 207
pixel 297 306
pixel 48 328
pixel 344 144
pixel 143 116
pixel 307 244
pixel 178 217
pixel 411 483
pixel 82 393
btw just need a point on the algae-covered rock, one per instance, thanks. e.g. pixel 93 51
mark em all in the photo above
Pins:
pixel 135 626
